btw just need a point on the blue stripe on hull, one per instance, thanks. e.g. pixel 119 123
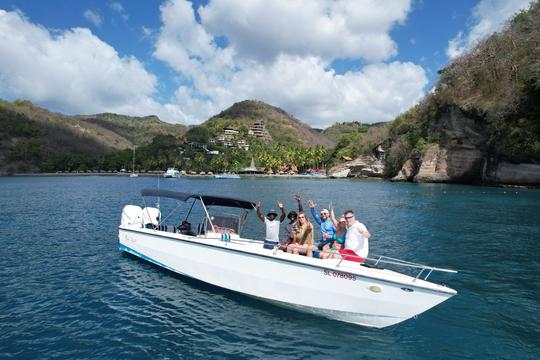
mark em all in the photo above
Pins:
pixel 149 259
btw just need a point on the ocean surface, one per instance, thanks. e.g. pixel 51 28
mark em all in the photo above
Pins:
pixel 67 292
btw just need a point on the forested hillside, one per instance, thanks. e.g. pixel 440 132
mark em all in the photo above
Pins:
pixel 483 114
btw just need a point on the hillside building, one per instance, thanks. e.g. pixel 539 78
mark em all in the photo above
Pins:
pixel 258 130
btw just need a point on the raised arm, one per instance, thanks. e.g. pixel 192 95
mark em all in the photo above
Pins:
pixel 314 212
pixel 333 217
pixel 299 201
pixel 282 209
pixel 259 213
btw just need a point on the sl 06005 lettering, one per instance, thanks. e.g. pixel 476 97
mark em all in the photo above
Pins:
pixel 340 275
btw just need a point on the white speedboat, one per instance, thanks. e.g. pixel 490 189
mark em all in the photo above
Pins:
pixel 227 176
pixel 214 252
pixel 171 173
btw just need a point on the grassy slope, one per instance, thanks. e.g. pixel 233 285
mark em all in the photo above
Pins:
pixel 30 136
pixel 281 126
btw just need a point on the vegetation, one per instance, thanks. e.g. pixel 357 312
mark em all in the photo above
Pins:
pixel 497 83
pixel 355 139
pixel 282 127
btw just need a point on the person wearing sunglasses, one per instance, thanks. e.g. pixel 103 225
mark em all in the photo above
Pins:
pixel 302 239
pixel 356 239
pixel 330 250
pixel 328 229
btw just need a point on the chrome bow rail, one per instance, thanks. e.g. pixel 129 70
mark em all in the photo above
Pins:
pixel 380 259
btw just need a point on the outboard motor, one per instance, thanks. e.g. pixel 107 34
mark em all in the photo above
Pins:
pixel 151 217
pixel 132 216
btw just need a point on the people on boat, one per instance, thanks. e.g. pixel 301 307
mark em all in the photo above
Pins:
pixel 356 240
pixel 328 228
pixel 338 239
pixel 302 239
pixel 292 216
pixel 272 224
pixel 185 228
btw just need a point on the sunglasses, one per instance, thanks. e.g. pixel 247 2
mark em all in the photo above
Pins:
pixel 349 217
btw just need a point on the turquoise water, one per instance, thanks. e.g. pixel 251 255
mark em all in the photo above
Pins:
pixel 67 292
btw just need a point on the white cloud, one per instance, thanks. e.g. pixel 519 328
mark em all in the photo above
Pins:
pixel 280 52
pixel 73 71
pixel 93 17
pixel 489 16
pixel 119 8
pixel 329 29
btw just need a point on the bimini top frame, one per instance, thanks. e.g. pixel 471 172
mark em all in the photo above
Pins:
pixel 208 200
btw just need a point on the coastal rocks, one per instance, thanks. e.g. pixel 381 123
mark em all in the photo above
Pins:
pixel 339 174
pixel 517 174
pixel 460 164
pixel 363 166
pixel 407 172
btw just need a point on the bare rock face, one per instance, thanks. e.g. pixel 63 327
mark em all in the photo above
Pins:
pixel 459 155
pixel 339 173
pixel 433 166
pixel 517 174
pixel 363 166
pixel 407 172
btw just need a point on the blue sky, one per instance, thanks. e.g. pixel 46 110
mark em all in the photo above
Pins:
pixel 322 61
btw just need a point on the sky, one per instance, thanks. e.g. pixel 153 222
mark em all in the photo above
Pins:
pixel 322 61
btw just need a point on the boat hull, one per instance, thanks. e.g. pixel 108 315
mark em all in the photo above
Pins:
pixel 326 291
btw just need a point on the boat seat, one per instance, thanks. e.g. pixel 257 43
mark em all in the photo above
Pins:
pixel 372 266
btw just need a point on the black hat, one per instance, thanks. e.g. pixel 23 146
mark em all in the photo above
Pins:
pixel 292 214
pixel 272 211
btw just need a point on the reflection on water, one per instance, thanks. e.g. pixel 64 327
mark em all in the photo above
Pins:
pixel 67 292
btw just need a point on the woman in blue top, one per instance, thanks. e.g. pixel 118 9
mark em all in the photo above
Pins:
pixel 330 250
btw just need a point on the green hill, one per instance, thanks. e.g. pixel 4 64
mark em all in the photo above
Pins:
pixel 34 139
pixel 483 119
pixel 281 126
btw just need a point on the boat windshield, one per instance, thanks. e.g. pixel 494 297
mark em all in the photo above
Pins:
pixel 212 211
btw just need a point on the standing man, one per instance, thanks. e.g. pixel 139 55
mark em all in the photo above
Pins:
pixel 272 225
pixel 356 240
pixel 328 228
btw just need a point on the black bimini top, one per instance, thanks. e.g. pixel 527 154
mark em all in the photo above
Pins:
pixel 207 199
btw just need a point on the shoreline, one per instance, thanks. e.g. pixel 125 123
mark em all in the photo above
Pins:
pixel 160 174
pixel 284 176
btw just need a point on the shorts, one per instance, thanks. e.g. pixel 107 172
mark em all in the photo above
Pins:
pixel 321 244
pixel 268 244
pixel 354 257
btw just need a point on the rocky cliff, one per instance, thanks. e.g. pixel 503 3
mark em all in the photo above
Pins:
pixel 463 155
pixel 481 124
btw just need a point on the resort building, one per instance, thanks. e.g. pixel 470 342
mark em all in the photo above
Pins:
pixel 258 130
pixel 242 144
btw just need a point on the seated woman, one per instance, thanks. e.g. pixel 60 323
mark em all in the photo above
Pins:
pixel 332 250
pixel 302 237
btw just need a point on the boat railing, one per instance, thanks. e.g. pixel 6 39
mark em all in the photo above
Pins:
pixel 374 260
pixel 381 259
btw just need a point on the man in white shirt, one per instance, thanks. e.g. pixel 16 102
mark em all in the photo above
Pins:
pixel 356 239
pixel 272 225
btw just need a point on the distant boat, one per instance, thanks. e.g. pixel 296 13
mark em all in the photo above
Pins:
pixel 171 173
pixel 133 174
pixel 227 176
